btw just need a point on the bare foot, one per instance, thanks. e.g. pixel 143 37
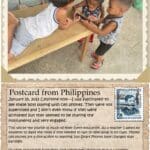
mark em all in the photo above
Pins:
pixel 96 65
pixel 93 54
pixel 12 19
pixel 10 56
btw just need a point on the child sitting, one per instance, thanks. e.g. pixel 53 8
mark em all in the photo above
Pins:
pixel 92 10
pixel 109 30
pixel 28 29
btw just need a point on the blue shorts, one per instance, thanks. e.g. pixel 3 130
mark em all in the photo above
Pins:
pixel 22 39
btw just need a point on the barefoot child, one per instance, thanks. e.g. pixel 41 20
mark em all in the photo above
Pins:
pixel 92 10
pixel 26 30
pixel 109 30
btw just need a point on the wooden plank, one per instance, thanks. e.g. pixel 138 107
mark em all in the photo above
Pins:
pixel 29 11
pixel 44 46
pixel 84 48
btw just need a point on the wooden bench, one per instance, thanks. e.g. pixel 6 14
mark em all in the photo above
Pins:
pixel 42 47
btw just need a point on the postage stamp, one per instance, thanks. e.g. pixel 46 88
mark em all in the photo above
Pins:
pixel 129 104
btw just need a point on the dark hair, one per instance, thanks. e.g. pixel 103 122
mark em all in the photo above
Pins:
pixel 127 3
pixel 101 1
pixel 60 3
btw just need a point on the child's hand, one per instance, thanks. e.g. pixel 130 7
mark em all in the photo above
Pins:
pixel 85 22
pixel 93 18
pixel 88 24
pixel 64 24
pixel 76 15
pixel 76 18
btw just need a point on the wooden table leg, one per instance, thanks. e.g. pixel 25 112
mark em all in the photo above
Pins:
pixel 84 48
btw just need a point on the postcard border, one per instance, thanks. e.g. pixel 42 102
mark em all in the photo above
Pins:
pixel 108 77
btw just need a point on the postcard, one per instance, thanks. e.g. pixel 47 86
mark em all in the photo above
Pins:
pixel 75 116
pixel 75 74
pixel 34 48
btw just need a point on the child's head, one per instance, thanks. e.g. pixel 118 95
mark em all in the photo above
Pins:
pixel 95 3
pixel 62 3
pixel 119 7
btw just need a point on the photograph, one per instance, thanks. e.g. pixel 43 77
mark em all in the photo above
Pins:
pixel 75 37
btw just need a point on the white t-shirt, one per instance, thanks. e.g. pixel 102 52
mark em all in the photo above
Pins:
pixel 43 24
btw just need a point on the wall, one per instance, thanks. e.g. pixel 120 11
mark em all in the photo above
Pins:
pixel 13 4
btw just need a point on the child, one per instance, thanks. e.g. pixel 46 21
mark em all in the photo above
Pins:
pixel 110 28
pixel 92 10
pixel 43 24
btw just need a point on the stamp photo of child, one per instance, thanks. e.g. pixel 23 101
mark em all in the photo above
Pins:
pixel 109 30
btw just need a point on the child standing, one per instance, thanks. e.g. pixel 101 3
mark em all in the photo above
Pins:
pixel 109 30
pixel 93 11
pixel 28 29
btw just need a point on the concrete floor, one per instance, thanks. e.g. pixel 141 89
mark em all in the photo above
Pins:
pixel 125 57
